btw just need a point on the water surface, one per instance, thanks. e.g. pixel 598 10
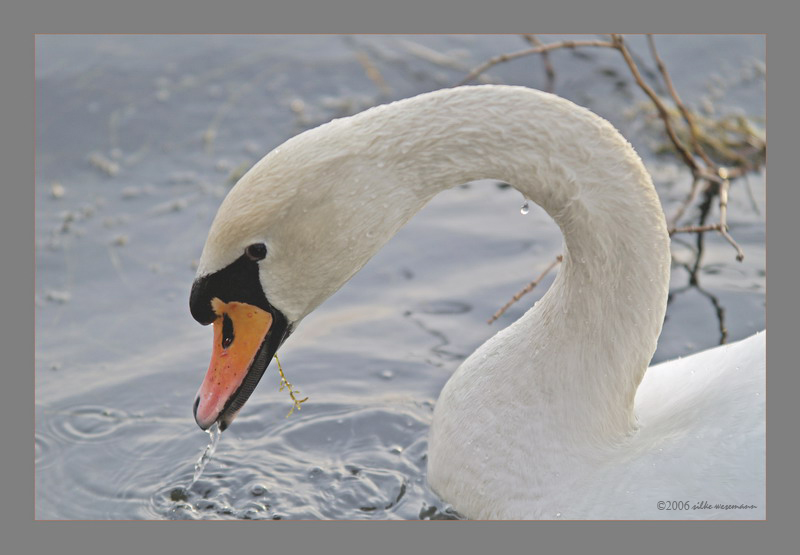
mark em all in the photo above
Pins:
pixel 141 137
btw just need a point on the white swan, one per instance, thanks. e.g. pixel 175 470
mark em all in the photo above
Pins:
pixel 550 418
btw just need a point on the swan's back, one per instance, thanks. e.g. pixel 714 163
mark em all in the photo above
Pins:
pixel 701 440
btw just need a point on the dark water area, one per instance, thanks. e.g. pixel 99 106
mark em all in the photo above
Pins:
pixel 138 140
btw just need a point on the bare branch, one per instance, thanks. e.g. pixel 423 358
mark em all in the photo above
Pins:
pixel 549 71
pixel 722 226
pixel 723 213
pixel 529 51
pixel 527 289
pixel 372 71
pixel 708 176
pixel 688 201
pixel 687 116
pixel 619 44
pixel 696 228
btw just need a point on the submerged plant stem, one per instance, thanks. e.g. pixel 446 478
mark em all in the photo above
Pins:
pixel 285 383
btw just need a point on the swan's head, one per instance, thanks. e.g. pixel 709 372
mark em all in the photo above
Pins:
pixel 288 235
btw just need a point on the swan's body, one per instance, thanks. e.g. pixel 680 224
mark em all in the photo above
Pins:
pixel 540 421
pixel 699 436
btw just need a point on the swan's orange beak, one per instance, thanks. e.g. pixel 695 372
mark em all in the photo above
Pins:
pixel 240 332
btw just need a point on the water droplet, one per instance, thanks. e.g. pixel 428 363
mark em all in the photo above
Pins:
pixel 214 433
pixel 258 490
pixel 525 208
pixel 314 472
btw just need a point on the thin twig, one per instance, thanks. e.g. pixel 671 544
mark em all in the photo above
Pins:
pixel 115 262
pixel 549 71
pixel 724 174
pixel 285 383
pixel 723 213
pixel 734 244
pixel 527 52
pixel 527 289
pixel 696 228
pixel 688 201
pixel 687 116
pixel 723 197
pixel 722 225
pixel 707 175
pixel 372 71
pixel 619 44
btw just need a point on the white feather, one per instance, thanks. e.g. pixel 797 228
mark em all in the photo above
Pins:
pixel 551 417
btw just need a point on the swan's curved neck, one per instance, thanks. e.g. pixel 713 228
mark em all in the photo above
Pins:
pixel 589 340
pixel 586 345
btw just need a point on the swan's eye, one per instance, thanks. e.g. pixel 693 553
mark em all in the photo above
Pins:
pixel 256 251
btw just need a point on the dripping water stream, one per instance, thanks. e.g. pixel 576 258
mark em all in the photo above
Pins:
pixel 214 434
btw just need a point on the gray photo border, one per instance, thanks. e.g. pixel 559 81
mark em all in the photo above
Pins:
pixel 22 534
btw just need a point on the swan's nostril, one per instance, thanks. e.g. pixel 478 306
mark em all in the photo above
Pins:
pixel 227 331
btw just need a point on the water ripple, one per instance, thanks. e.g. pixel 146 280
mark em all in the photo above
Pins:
pixel 340 462
pixel 445 307
pixel 82 423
